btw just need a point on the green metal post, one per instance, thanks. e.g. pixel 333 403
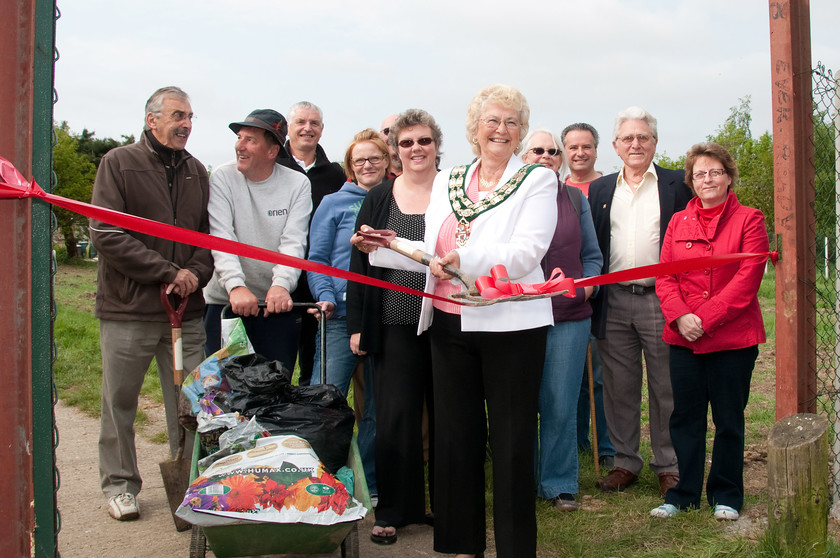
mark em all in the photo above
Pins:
pixel 44 474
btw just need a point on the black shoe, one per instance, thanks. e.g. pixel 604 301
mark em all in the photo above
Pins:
pixel 384 539
pixel 565 502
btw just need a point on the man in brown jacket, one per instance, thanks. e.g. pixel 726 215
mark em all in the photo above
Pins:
pixel 157 179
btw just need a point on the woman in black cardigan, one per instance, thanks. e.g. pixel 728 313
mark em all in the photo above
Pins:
pixel 384 324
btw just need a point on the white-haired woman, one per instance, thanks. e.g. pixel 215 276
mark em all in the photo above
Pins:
pixel 496 210
pixel 574 249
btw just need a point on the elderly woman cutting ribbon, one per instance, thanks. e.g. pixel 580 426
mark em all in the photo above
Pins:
pixel 495 211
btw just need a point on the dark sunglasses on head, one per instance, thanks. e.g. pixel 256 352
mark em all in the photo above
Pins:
pixel 551 151
pixel 406 143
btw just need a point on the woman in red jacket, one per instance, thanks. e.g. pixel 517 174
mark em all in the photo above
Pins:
pixel 713 325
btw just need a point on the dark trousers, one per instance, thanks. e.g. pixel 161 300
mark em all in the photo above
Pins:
pixel 505 369
pixel 274 336
pixel 306 347
pixel 403 378
pixel 722 380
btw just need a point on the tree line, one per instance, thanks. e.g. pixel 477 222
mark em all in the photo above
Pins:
pixel 75 160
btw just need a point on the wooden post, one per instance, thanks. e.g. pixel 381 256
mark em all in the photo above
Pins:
pixel 797 478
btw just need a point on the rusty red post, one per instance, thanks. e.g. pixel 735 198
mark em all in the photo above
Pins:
pixel 17 29
pixel 790 58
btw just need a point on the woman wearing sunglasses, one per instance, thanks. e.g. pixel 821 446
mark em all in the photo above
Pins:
pixel 384 323
pixel 366 162
pixel 574 249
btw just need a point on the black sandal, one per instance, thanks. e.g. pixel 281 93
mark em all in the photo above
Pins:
pixel 384 539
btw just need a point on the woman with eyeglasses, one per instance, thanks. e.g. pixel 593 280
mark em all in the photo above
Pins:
pixel 383 323
pixel 365 163
pixel 713 324
pixel 487 360
pixel 574 249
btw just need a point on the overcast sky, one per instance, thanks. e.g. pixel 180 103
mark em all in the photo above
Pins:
pixel 686 62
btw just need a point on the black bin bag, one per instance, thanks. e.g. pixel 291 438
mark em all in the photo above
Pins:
pixel 319 414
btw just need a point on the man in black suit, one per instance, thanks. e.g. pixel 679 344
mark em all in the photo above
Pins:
pixel 631 210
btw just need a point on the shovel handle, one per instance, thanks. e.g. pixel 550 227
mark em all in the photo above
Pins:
pixel 176 316
pixel 389 239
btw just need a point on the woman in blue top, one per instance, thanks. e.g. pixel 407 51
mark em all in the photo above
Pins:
pixel 365 163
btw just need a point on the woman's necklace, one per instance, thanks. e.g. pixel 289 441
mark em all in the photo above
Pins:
pixel 487 184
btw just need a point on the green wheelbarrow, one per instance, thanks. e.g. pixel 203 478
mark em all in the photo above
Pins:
pixel 258 538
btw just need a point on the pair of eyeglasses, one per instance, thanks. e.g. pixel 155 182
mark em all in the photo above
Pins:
pixel 180 116
pixel 553 151
pixel 360 162
pixel 386 131
pixel 406 143
pixel 714 173
pixel 493 123
pixel 641 138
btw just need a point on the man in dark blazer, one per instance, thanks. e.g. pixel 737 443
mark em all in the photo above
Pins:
pixel 631 210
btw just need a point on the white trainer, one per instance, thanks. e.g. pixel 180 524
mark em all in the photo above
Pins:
pixel 724 513
pixel 123 507
pixel 665 510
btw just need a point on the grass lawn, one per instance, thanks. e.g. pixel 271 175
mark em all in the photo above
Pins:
pixel 614 524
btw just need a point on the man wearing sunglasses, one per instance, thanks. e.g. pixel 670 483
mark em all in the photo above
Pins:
pixel 631 210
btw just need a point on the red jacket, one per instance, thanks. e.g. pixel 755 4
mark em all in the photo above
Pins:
pixel 723 297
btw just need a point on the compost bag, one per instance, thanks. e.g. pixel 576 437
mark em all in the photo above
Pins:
pixel 319 414
pixel 279 480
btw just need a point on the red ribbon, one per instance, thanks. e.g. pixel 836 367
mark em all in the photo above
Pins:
pixel 13 185
pixel 498 285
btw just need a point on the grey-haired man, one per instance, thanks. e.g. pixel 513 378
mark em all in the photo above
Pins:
pixel 158 179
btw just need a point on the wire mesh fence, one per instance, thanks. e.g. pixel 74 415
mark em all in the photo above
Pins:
pixel 826 100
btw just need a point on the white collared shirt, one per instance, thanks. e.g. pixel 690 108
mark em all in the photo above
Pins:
pixel 302 164
pixel 634 224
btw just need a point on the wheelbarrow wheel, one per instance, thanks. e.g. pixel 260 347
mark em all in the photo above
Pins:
pixel 198 543
pixel 350 544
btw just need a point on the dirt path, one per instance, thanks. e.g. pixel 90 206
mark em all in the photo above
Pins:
pixel 88 531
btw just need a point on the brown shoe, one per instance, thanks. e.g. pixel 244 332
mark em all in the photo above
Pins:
pixel 617 479
pixel 666 481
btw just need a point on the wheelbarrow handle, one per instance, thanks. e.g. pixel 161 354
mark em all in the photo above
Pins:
pixel 228 312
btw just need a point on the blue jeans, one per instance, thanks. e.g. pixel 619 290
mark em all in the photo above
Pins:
pixel 605 446
pixel 341 362
pixel 556 462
